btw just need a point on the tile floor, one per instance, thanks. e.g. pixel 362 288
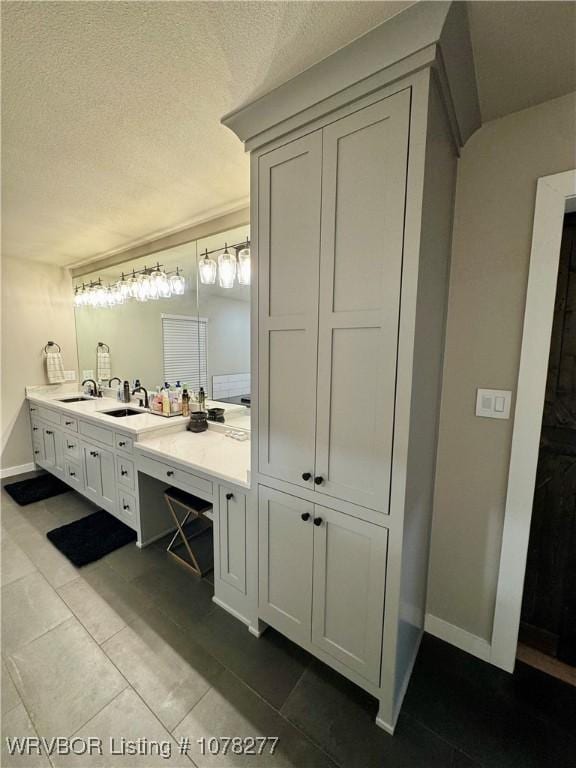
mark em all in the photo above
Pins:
pixel 133 646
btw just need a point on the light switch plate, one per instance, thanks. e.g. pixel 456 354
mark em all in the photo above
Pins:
pixel 493 403
pixel 70 375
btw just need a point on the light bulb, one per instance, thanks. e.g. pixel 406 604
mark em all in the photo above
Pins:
pixel 207 269
pixel 244 265
pixel 226 269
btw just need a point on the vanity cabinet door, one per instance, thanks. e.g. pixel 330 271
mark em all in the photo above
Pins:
pixel 289 252
pixel 363 192
pixel 53 451
pixel 108 475
pixel 100 476
pixel 232 535
pixel 93 478
pixel 285 563
pixel 349 586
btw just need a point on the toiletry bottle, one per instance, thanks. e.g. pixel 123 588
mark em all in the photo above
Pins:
pixel 126 392
pixel 165 403
pixel 201 399
pixel 185 402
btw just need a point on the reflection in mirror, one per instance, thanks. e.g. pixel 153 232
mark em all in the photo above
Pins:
pixel 226 311
pixel 133 330
pixel 200 338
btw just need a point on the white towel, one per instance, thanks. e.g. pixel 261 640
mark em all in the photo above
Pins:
pixel 103 365
pixel 54 368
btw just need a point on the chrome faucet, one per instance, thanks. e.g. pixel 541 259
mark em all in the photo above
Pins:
pixel 142 389
pixel 114 378
pixel 96 391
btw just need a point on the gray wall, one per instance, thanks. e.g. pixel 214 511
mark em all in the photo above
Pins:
pixel 490 258
pixel 36 307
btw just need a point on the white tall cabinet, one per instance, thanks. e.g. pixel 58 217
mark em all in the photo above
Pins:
pixel 353 172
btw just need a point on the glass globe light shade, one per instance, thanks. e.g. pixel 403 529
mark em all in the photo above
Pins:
pixel 177 283
pixel 162 284
pixel 123 288
pixel 207 268
pixel 133 286
pixel 244 265
pixel 226 269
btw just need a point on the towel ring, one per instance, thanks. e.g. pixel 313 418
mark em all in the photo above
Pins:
pixel 52 344
pixel 102 345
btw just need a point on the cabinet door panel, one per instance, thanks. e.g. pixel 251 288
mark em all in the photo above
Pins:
pixel 92 476
pixel 108 476
pixel 232 529
pixel 349 586
pixel 289 252
pixel 49 447
pixel 285 563
pixel 363 191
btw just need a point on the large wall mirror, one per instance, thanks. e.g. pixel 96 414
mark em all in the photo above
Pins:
pixel 196 333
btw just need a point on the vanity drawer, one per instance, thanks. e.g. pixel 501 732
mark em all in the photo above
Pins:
pixel 126 509
pixel 105 436
pixel 73 474
pixel 71 447
pixel 123 443
pixel 47 415
pixel 125 472
pixel 187 481
pixel 68 422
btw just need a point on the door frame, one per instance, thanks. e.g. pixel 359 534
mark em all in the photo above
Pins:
pixel 554 196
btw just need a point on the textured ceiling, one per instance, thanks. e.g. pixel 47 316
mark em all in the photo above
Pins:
pixel 111 110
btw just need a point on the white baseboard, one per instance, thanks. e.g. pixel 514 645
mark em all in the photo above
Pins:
pixel 466 641
pixel 21 469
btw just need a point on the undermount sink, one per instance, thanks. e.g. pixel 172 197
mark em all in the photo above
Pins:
pixel 120 412
pixel 74 399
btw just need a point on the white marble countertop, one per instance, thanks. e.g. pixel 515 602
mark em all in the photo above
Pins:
pixel 92 410
pixel 210 452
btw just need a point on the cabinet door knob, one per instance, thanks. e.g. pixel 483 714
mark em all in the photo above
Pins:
pixel 72 474
pixel 318 521
pixel 36 452
pixel 318 480
pixel 305 516
pixel 69 445
pixel 94 453
pixel 68 423
pixel 33 409
pixel 34 429
pixel 49 432
pixel 170 473
pixel 229 496
pixel 121 443
pixel 306 476
pixel 126 506
pixel 123 471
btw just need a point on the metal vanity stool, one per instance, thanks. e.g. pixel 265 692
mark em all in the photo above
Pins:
pixel 193 543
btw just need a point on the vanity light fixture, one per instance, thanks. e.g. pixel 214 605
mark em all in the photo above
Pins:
pixel 244 264
pixel 226 268
pixel 207 269
pixel 142 285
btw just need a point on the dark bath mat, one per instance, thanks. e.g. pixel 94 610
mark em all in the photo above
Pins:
pixel 36 489
pixel 91 537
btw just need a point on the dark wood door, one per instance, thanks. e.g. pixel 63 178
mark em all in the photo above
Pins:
pixel 548 618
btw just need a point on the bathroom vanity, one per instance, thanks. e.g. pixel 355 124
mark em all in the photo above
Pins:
pixel 124 465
